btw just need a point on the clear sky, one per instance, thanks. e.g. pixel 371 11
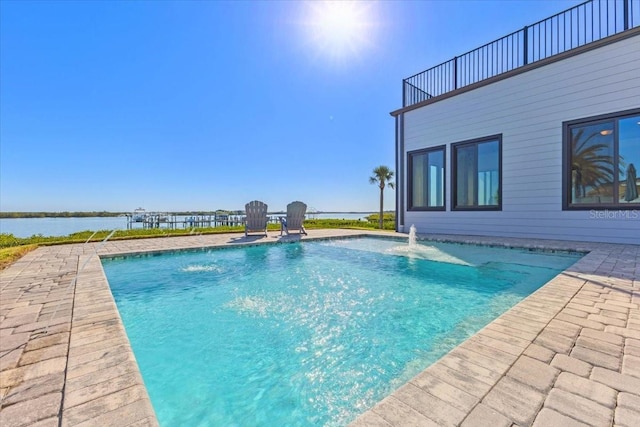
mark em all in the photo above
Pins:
pixel 204 105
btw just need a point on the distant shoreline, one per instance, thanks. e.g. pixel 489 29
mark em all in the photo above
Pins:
pixel 104 214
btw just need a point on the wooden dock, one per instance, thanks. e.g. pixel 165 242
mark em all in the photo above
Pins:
pixel 174 221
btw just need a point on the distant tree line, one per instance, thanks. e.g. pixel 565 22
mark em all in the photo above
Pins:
pixel 67 214
pixel 64 214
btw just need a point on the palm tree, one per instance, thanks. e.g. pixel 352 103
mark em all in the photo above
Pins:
pixel 593 166
pixel 382 176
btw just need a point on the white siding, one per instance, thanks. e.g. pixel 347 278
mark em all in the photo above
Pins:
pixel 528 110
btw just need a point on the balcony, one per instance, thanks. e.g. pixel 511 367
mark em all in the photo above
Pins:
pixel 575 27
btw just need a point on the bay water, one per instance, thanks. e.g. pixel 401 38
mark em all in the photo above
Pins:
pixel 27 227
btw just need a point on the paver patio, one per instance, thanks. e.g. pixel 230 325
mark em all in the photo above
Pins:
pixel 567 355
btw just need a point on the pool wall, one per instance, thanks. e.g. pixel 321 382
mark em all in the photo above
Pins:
pixel 539 363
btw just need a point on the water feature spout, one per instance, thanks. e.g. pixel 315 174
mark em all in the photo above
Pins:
pixel 412 236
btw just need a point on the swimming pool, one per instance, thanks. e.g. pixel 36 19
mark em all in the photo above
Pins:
pixel 309 333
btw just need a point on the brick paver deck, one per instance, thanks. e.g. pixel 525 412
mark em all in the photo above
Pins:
pixel 567 355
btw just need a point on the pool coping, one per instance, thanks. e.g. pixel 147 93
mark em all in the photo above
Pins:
pixel 568 353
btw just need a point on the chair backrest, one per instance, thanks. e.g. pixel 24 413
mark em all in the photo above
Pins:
pixel 256 212
pixel 295 214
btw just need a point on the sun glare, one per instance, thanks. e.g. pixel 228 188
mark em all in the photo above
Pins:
pixel 340 29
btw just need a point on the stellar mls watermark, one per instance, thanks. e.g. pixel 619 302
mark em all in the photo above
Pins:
pixel 614 214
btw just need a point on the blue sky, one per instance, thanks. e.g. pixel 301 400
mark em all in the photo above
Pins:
pixel 207 105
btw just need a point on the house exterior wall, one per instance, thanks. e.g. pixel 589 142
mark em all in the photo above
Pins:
pixel 528 110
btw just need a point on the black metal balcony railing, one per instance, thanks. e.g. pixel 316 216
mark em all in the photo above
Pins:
pixel 575 27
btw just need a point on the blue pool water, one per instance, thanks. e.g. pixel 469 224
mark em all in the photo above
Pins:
pixel 307 334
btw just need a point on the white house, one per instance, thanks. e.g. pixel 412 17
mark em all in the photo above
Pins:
pixel 535 135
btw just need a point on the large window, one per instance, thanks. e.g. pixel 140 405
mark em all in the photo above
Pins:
pixel 477 174
pixel 601 157
pixel 426 179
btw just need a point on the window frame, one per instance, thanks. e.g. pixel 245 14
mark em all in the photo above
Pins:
pixel 454 173
pixel 410 155
pixel 566 161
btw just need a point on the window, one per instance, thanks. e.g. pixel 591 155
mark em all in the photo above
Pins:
pixel 601 158
pixel 477 174
pixel 426 179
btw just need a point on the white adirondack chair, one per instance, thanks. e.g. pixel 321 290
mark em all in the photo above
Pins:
pixel 256 218
pixel 295 218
